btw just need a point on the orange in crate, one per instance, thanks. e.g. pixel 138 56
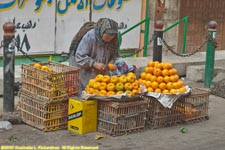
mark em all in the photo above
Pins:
pixel 55 81
pixel 196 105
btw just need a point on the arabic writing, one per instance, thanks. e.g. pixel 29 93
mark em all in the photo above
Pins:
pixel 24 41
pixel 64 5
pixel 24 26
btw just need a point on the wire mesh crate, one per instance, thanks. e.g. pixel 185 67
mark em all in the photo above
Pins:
pixel 44 116
pixel 121 117
pixel 159 116
pixel 59 83
pixel 196 105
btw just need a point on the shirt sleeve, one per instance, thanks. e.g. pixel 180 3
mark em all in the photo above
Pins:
pixel 83 53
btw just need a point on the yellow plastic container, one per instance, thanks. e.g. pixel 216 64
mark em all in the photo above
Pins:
pixel 82 115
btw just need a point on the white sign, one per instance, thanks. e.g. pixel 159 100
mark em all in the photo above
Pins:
pixel 48 26
pixel 34 28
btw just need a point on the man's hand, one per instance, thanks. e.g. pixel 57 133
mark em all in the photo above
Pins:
pixel 99 66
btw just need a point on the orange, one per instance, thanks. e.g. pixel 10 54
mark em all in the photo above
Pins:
pixel 166 79
pixel 174 78
pixel 129 93
pixel 148 69
pixel 45 68
pixel 131 74
pixel 173 91
pixel 111 87
pixel 159 65
pixel 169 85
pixel 151 69
pixel 135 85
pixel 155 85
pixel 175 85
pixel 183 89
pixel 153 78
pixel 157 72
pixel 172 71
pixel 87 89
pixel 37 65
pixel 114 79
pixel 99 77
pixel 106 79
pixel 110 93
pixel 111 66
pixel 148 84
pixel 119 92
pixel 150 89
pixel 167 65
pixel 123 79
pixel 140 81
pixel 160 79
pixel 165 72
pixel 156 64
pixel 91 82
pixel 158 90
pixel 135 91
pixel 150 64
pixel 95 91
pixel 180 83
pixel 103 86
pixel 96 85
pixel 165 91
pixel 102 92
pixel 50 69
pixel 143 74
pixel 162 86
pixel 148 77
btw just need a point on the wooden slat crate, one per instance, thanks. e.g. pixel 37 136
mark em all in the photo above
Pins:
pixel 121 117
pixel 196 105
pixel 159 116
pixel 44 116
pixel 59 84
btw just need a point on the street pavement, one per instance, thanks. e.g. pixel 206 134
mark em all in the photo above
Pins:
pixel 204 135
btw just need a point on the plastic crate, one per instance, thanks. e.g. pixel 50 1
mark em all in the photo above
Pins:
pixel 159 116
pixel 44 116
pixel 121 117
pixel 196 105
pixel 59 84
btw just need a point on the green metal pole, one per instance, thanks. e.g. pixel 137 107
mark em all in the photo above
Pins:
pixel 146 37
pixel 146 29
pixel 185 34
pixel 210 56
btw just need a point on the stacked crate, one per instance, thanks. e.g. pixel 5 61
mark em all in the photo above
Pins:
pixel 159 116
pixel 44 95
pixel 121 117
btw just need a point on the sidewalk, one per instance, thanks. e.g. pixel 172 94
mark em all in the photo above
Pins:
pixel 205 135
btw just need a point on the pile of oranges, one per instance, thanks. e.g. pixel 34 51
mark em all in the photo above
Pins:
pixel 105 85
pixel 161 78
pixel 43 67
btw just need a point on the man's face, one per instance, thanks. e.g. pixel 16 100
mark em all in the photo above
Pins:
pixel 107 38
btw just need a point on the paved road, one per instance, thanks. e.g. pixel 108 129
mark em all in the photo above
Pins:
pixel 205 135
